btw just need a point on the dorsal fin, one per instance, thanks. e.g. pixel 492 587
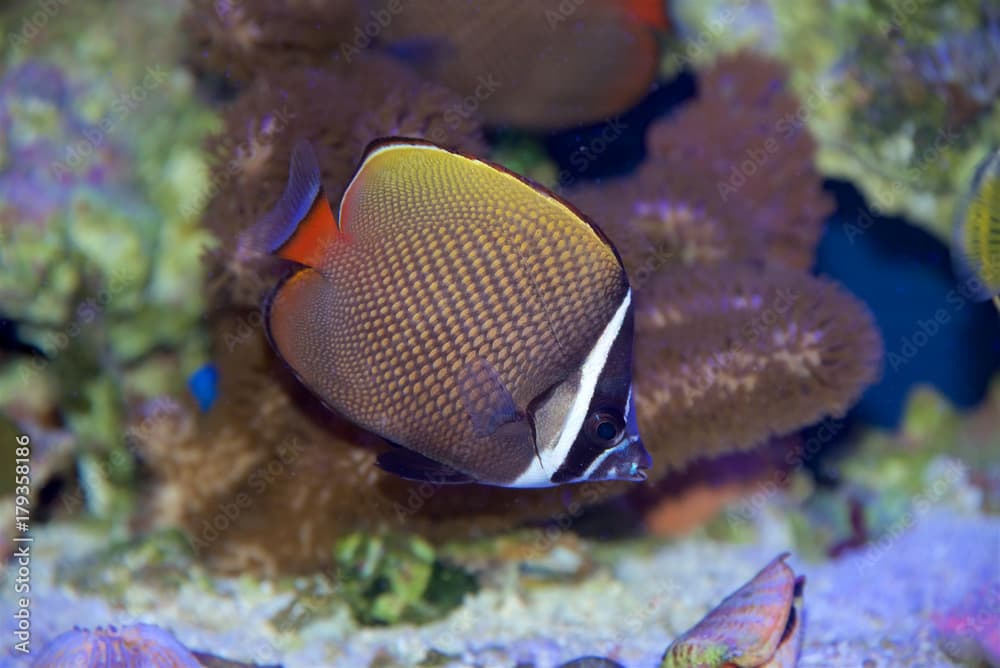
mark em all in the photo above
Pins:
pixel 301 224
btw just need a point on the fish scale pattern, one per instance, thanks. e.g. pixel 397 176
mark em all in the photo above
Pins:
pixel 447 266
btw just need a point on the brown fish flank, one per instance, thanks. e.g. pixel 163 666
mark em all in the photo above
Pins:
pixel 452 297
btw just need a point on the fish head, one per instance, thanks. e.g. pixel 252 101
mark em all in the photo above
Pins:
pixel 622 455
pixel 607 445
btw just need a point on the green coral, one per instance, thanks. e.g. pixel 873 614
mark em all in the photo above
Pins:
pixel 163 558
pixel 524 155
pixel 889 111
pixel 936 457
pixel 102 272
pixel 393 578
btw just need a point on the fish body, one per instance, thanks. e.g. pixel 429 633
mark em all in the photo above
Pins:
pixel 204 386
pixel 537 64
pixel 461 313
pixel 976 246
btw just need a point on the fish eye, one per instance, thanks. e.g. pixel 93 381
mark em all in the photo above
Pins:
pixel 605 427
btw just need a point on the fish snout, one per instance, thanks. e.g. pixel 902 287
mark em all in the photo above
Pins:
pixel 628 461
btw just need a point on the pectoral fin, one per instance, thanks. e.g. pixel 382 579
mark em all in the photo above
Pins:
pixel 488 403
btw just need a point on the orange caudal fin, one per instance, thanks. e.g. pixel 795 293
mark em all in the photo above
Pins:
pixel 301 226
pixel 651 12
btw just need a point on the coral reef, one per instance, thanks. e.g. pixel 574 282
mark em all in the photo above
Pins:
pixel 99 255
pixel 231 476
pixel 238 38
pixel 393 578
pixel 629 609
pixel 901 97
pixel 938 456
pixel 717 242
pixel 374 97
pixel 716 341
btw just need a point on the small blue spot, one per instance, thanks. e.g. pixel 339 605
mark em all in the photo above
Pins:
pixel 204 385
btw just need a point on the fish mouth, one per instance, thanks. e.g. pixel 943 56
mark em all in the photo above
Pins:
pixel 629 461
pixel 637 469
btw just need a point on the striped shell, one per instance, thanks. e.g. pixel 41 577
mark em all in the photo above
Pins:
pixel 757 626
pixel 137 646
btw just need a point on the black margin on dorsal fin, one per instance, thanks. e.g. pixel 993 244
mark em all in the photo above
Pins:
pixel 395 140
pixel 414 466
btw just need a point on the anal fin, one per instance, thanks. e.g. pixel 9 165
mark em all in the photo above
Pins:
pixel 414 466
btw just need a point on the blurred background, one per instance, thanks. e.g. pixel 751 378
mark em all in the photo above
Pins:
pixel 791 187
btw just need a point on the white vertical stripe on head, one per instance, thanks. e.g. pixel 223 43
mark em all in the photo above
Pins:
pixel 540 472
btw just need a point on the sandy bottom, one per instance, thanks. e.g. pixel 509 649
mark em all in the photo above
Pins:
pixel 871 608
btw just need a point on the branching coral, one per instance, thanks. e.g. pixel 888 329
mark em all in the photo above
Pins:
pixel 100 144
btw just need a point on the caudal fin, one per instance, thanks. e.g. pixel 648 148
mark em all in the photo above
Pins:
pixel 651 12
pixel 301 225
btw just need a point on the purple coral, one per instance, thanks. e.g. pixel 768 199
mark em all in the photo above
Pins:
pixel 137 646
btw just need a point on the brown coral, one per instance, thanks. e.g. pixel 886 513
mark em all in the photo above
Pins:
pixel 741 154
pixel 735 343
pixel 339 111
pixel 729 356
pixel 240 38
pixel 269 479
